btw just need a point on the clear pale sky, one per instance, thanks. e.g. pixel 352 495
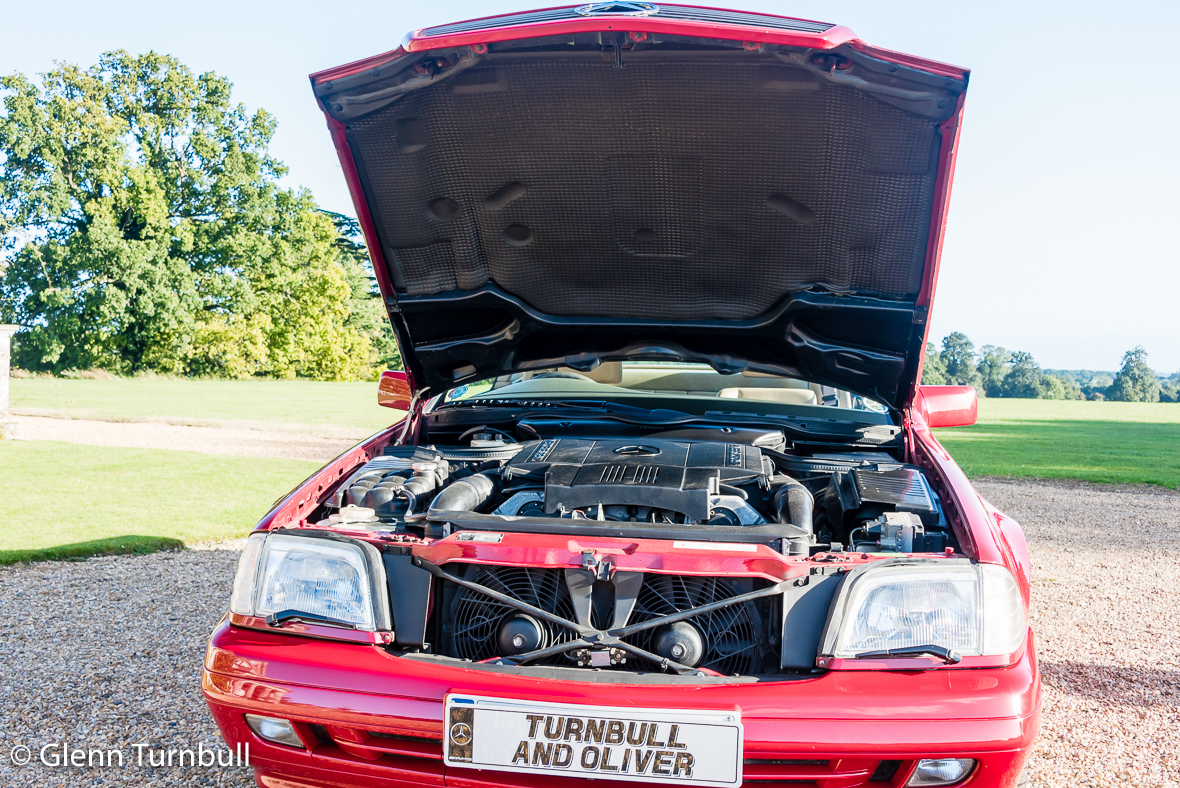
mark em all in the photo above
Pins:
pixel 1062 237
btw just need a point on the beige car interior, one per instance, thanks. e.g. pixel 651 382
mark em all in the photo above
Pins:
pixel 679 380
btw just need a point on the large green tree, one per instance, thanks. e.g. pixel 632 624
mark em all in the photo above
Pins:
pixel 1135 382
pixel 1060 387
pixel 367 314
pixel 144 229
pixel 993 365
pixel 1170 389
pixel 933 370
pixel 1024 378
pixel 958 356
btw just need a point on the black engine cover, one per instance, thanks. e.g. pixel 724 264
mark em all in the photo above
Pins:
pixel 676 475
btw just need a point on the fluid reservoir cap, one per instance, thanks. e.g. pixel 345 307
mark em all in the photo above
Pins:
pixel 353 514
pixel 424 467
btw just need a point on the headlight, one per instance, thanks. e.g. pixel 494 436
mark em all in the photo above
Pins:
pixel 972 609
pixel 334 580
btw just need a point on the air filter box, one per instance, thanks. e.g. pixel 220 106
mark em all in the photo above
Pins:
pixel 867 493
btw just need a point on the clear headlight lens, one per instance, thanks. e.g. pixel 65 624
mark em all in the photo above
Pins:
pixel 320 577
pixel 971 609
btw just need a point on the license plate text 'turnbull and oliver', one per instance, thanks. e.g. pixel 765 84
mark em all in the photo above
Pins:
pixel 665 745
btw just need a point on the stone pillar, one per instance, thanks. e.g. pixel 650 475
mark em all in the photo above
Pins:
pixel 9 427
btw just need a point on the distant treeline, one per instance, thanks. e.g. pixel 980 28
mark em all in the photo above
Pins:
pixel 997 372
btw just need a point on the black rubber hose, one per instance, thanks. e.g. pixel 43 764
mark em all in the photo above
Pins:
pixel 794 503
pixel 465 495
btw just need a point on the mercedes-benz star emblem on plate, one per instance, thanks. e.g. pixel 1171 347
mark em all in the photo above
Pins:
pixel 637 450
pixel 460 733
pixel 617 9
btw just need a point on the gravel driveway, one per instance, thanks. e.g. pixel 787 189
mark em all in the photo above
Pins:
pixel 107 652
pixel 1106 611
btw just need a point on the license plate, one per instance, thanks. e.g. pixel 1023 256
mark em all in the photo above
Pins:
pixel 671 746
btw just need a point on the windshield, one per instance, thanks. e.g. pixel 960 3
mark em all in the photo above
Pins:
pixel 681 381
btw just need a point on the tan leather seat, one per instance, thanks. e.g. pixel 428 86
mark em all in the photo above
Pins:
pixel 608 372
pixel 766 394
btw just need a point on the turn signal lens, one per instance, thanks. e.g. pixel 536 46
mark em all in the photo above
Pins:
pixel 283 732
pixel 941 771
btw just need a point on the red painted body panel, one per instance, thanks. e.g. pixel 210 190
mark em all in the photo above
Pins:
pixel 947 406
pixel 379 715
pixel 990 714
pixel 393 390
pixel 829 39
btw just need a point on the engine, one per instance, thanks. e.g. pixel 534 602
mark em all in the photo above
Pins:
pixel 658 488
pixel 650 481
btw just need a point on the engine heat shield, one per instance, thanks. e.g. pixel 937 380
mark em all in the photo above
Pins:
pixel 680 476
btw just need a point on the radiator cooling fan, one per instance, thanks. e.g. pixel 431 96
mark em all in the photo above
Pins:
pixel 482 628
pixel 725 640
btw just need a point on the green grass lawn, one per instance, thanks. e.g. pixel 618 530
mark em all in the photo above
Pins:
pixel 65 500
pixel 1112 442
pixel 311 403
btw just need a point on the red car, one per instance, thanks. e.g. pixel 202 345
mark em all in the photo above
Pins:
pixel 666 507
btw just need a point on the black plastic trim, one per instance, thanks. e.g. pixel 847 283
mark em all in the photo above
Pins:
pixel 805 611
pixel 409 595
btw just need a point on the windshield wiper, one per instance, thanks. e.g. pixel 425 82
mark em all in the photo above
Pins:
pixel 301 617
pixel 595 406
pixel 950 656
pixel 824 430
pixel 619 409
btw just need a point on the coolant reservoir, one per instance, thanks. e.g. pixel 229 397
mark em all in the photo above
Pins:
pixel 353 514
pixel 488 440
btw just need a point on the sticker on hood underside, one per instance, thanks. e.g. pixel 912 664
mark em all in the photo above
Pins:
pixel 475 536
pixel 728 546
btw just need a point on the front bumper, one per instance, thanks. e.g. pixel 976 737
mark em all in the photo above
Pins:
pixel 373 719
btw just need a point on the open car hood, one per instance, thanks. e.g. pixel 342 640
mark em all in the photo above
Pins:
pixel 632 181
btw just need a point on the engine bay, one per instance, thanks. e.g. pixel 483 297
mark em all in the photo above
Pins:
pixel 548 489
pixel 799 504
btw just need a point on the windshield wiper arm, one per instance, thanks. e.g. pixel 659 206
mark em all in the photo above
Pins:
pixel 301 617
pixel 950 656
pixel 619 409
pixel 658 415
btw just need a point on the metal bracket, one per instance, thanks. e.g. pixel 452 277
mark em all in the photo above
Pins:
pixel 603 569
